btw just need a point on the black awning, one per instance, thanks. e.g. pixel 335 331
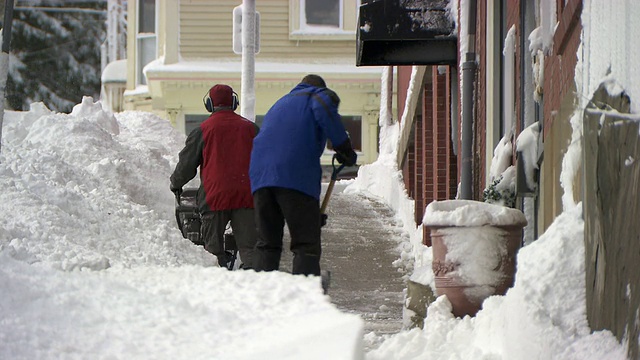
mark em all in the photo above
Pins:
pixel 405 32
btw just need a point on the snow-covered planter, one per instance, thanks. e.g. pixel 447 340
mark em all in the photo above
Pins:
pixel 474 250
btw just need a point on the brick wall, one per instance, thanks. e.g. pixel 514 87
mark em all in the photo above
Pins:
pixel 440 163
pixel 559 67
pixel 428 139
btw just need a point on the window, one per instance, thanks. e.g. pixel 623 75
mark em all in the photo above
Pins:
pixel 192 122
pixel 146 37
pixel 353 125
pixel 325 13
pixel 323 19
pixel 259 120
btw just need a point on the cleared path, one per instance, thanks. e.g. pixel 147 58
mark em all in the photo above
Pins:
pixel 360 245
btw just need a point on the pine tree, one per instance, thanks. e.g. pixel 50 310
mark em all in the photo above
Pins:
pixel 55 53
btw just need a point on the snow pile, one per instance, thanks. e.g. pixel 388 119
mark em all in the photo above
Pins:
pixel 92 264
pixel 542 317
pixel 84 190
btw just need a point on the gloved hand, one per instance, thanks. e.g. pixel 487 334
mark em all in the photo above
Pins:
pixel 347 159
pixel 176 190
pixel 323 219
pixel 345 154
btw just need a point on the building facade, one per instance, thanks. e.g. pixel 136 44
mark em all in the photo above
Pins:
pixel 562 69
pixel 179 49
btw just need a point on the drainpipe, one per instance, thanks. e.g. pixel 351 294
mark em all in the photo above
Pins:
pixel 468 80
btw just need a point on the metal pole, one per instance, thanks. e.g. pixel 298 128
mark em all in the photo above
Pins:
pixel 247 94
pixel 4 58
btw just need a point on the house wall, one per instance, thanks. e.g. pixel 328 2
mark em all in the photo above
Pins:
pixel 483 84
pixel 195 52
pixel 205 31
pixel 491 83
pixel 440 169
pixel 558 103
pixel 429 165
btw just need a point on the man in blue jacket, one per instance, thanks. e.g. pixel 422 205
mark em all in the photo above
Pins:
pixel 285 173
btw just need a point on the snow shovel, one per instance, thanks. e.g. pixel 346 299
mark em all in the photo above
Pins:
pixel 325 275
pixel 325 200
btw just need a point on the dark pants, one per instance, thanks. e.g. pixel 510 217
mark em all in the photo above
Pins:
pixel 273 207
pixel 243 224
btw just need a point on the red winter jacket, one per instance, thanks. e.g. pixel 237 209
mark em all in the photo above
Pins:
pixel 221 148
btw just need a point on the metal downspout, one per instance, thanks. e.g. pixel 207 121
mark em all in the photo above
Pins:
pixel 468 102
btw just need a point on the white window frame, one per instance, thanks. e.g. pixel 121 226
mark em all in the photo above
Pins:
pixel 145 40
pixel 299 30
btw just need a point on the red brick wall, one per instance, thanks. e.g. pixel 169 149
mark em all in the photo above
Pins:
pixel 559 67
pixel 440 164
pixel 441 141
pixel 428 138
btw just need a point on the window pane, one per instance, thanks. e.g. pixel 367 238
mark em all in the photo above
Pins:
pixel 147 53
pixel 193 121
pixel 353 125
pixel 147 16
pixel 322 12
pixel 259 119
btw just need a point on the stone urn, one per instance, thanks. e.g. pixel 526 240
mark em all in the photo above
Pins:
pixel 474 248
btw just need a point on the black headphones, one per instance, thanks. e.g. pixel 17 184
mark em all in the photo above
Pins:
pixel 208 104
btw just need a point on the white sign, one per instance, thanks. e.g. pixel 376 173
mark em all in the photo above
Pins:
pixel 237 31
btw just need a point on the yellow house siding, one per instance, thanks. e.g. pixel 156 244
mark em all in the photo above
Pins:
pixel 205 29
pixel 205 32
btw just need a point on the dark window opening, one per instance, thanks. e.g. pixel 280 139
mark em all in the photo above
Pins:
pixel 322 12
pixel 192 122
pixel 147 18
pixel 353 125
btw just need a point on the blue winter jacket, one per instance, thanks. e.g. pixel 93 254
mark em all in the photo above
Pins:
pixel 286 152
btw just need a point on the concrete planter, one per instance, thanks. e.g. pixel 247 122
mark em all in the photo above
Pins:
pixel 474 250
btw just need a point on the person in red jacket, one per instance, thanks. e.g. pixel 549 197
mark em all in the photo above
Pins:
pixel 221 148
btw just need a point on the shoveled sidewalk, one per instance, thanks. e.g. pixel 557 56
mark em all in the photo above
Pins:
pixel 360 244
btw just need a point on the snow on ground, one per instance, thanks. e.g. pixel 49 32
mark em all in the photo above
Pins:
pixel 92 265
pixel 542 317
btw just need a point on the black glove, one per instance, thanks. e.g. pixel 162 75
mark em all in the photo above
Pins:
pixel 345 154
pixel 176 190
pixel 323 219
